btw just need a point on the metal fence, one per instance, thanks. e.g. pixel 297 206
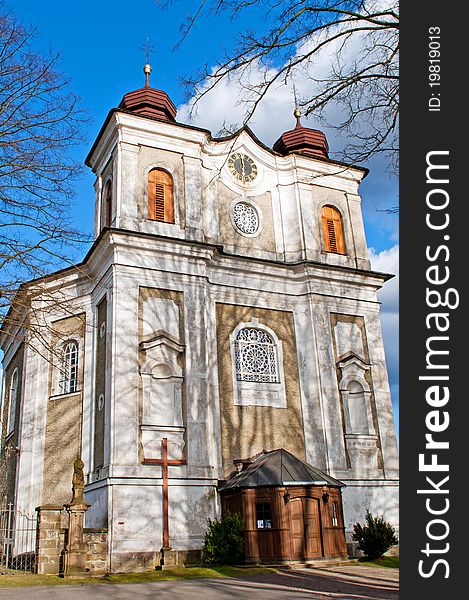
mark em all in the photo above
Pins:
pixel 17 539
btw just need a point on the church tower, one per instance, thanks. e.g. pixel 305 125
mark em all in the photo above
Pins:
pixel 219 347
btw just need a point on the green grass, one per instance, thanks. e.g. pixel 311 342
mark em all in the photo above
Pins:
pixel 388 562
pixel 188 573
pixel 28 579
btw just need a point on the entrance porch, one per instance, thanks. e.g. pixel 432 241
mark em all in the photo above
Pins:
pixel 291 510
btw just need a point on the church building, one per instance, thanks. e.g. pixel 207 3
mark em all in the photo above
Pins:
pixel 219 348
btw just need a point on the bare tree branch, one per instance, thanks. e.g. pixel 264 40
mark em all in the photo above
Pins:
pixel 359 93
pixel 40 122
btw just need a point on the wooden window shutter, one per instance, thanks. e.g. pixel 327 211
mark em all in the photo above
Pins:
pixel 332 230
pixel 160 196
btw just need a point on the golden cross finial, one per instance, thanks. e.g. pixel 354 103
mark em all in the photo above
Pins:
pixel 147 48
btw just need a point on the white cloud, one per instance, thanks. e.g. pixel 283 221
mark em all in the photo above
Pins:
pixel 224 105
pixel 387 261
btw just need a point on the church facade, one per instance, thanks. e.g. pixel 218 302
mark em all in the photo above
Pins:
pixel 226 309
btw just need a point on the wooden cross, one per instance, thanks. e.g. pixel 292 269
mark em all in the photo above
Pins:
pixel 164 462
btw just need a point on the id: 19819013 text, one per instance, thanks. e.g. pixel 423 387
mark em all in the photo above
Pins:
pixel 434 69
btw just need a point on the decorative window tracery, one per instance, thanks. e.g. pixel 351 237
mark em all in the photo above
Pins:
pixel 68 382
pixel 257 366
pixel 245 218
pixel 255 356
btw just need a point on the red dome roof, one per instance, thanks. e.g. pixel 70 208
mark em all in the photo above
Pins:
pixel 303 140
pixel 150 103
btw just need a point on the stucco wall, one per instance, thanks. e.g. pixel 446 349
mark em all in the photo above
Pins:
pixel 148 293
pixel 61 448
pixel 247 430
pixel 63 424
pixel 229 235
pixel 170 161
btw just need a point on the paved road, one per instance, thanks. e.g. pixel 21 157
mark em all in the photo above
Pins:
pixel 337 583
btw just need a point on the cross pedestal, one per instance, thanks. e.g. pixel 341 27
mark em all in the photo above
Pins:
pixel 74 554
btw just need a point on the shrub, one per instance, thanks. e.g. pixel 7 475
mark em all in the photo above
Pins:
pixel 374 538
pixel 224 540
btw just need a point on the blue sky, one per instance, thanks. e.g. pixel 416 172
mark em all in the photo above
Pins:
pixel 100 44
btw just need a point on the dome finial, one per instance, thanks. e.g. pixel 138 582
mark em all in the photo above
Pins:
pixel 147 71
pixel 297 111
pixel 297 115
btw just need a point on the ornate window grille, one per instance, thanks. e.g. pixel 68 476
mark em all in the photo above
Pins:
pixel 69 368
pixel 256 356
pixel 245 218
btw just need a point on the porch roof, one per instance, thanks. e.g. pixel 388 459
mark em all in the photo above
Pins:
pixel 277 468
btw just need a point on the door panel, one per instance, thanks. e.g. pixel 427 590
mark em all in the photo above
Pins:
pixel 312 528
pixel 297 528
pixel 305 528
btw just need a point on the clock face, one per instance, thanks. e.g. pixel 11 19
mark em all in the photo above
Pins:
pixel 242 167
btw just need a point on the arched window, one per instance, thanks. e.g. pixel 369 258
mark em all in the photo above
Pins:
pixel 357 408
pixel 12 401
pixel 69 368
pixel 332 230
pixel 160 196
pixel 257 366
pixel 256 356
pixel 107 204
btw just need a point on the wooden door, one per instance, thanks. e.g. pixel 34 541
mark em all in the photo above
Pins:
pixel 305 528
pixel 312 528
pixel 297 528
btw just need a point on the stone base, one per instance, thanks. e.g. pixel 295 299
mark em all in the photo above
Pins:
pixel 95 541
pixel 51 568
pixel 74 563
pixel 167 560
pixel 353 551
pixel 128 562
pixel 85 575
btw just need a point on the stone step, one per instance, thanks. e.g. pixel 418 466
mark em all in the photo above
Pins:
pixel 321 562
